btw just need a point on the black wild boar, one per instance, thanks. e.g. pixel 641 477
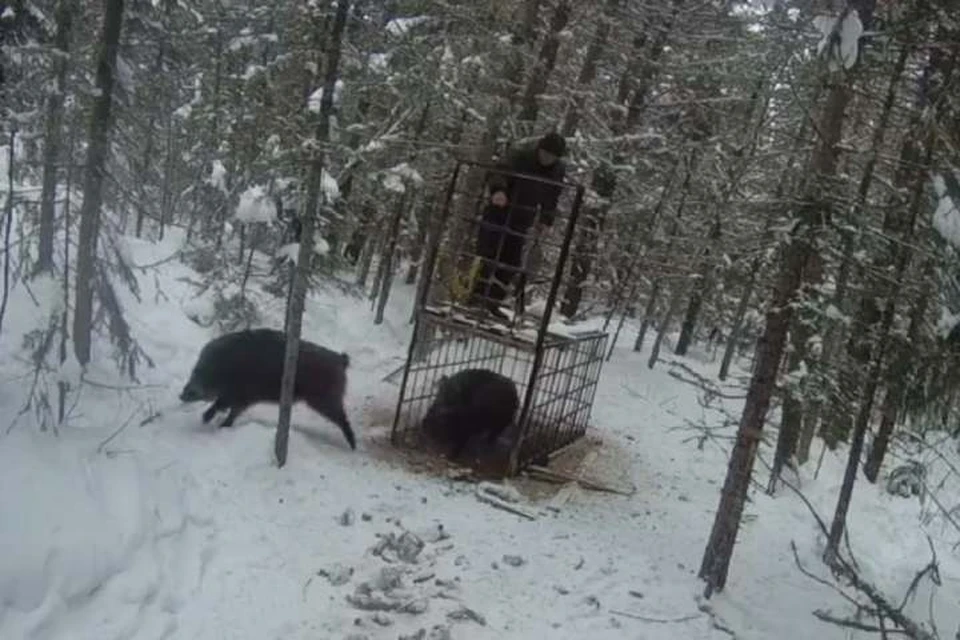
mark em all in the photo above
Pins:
pixel 472 402
pixel 240 369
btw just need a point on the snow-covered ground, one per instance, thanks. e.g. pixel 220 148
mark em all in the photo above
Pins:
pixel 137 522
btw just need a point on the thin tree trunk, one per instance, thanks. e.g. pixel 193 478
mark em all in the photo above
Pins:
pixel 305 254
pixel 63 386
pixel 796 254
pixel 837 429
pixel 648 312
pixel 912 169
pixel 639 253
pixel 676 301
pixel 588 70
pixel 792 411
pixel 604 182
pixel 387 266
pixel 53 136
pixel 546 61
pixel 866 409
pixel 733 340
pixel 900 371
pixel 97 152
pixel 700 290
pixel 7 226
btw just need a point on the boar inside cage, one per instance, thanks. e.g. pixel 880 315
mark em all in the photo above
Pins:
pixel 479 257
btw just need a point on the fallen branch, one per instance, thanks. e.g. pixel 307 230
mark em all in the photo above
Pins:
pixel 119 430
pixel 819 580
pixel 881 607
pixel 702 383
pixel 853 624
pixel 636 616
pixel 499 503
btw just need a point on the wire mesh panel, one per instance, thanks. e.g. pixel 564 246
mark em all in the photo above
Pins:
pixel 564 390
pixel 560 391
pixel 488 287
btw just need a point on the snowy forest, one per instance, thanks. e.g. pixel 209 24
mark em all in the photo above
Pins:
pixel 769 235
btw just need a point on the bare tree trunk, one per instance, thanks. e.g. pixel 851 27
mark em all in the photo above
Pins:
pixel 386 260
pixel 588 70
pixel 305 254
pixel 7 226
pixel 604 182
pixel 418 248
pixel 912 170
pixel 796 255
pixel 53 135
pixel 648 312
pixel 866 405
pixel 166 195
pixel 547 60
pixel 901 370
pixel 676 301
pixel 97 152
pixel 638 253
pixel 700 289
pixel 837 428
pixel 63 386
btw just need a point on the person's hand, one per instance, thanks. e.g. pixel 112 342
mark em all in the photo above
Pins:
pixel 499 199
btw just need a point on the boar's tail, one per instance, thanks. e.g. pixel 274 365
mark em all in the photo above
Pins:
pixel 345 359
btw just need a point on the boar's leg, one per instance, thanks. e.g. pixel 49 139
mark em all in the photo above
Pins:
pixel 335 414
pixel 236 408
pixel 458 443
pixel 217 406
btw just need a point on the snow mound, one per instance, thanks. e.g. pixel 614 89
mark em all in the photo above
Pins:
pixel 92 532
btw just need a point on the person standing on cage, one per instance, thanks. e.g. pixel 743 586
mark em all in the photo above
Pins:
pixel 515 204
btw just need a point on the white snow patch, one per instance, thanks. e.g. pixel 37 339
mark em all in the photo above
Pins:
pixel 313 103
pixel 379 62
pixel 393 182
pixel 401 26
pixel 329 187
pixel 849 33
pixel 218 177
pixel 290 251
pixel 946 216
pixel 395 178
pixel 181 530
pixel 255 206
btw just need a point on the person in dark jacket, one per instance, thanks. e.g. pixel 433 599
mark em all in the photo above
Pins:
pixel 515 204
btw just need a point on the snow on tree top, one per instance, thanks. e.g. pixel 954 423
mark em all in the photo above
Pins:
pixel 393 179
pixel 848 33
pixel 400 26
pixel 329 186
pixel 404 170
pixel 218 177
pixel 313 104
pixel 255 206
pixel 378 61
pixel 946 216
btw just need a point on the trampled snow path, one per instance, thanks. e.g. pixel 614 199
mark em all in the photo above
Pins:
pixel 176 530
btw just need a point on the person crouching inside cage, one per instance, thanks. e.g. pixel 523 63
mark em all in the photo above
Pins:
pixel 516 203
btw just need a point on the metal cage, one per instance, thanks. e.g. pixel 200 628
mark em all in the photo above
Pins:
pixel 556 371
